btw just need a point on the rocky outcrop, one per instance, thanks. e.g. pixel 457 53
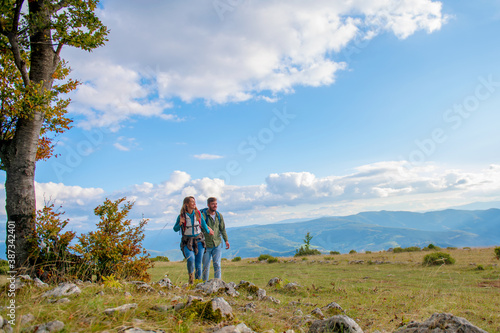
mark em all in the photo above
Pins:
pixel 335 324
pixel 63 289
pixel 217 286
pixel 441 323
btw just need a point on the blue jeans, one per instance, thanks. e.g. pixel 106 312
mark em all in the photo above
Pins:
pixel 194 261
pixel 216 254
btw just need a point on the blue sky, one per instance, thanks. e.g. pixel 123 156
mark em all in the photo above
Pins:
pixel 283 109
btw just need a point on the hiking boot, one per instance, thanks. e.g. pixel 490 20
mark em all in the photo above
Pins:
pixel 191 278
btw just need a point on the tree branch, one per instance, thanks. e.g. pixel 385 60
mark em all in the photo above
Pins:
pixel 60 5
pixel 13 37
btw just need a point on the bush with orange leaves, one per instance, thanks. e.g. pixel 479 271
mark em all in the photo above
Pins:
pixel 116 246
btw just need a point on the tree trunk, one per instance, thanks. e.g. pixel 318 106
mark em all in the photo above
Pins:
pixel 20 185
pixel 21 151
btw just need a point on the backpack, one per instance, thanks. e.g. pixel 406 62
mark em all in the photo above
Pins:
pixel 204 211
pixel 197 217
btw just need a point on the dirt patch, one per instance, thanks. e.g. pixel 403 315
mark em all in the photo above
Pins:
pixel 489 284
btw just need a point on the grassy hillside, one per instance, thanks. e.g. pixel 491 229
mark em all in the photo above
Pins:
pixel 377 296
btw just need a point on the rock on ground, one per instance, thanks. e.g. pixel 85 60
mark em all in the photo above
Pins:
pixel 240 328
pixel 63 289
pixel 122 308
pixel 441 323
pixel 215 286
pixel 53 326
pixel 339 323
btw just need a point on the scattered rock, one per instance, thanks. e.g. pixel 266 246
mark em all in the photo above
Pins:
pixel 292 286
pixel 63 289
pixel 332 309
pixel 339 323
pixel 240 328
pixel 441 323
pixel 123 308
pixel 39 283
pixel 358 262
pixel 318 313
pixel 249 286
pixel 272 299
pixel 274 281
pixel 261 294
pixel 220 304
pixel 165 283
pixel 138 330
pixel 250 307
pixel 217 286
pixel 192 299
pixel 53 326
pixel 144 287
pixel 26 319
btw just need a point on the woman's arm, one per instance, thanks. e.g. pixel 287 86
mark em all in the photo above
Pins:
pixel 177 225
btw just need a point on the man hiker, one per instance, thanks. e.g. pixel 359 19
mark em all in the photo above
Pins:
pixel 215 221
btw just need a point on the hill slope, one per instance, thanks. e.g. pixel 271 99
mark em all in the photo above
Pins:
pixel 371 231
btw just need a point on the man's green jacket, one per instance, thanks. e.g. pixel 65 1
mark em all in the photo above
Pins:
pixel 217 226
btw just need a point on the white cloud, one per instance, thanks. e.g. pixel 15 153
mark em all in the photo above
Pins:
pixel 125 144
pixel 259 49
pixel 384 185
pixel 61 194
pixel 207 157
pixel 390 185
pixel 111 94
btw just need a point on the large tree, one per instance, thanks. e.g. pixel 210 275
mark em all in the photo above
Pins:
pixel 32 35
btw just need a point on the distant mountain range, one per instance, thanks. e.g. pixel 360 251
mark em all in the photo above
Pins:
pixel 368 231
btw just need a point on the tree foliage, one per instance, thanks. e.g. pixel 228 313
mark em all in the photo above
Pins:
pixel 305 250
pixel 51 255
pixel 115 247
pixel 68 22
pixel 33 107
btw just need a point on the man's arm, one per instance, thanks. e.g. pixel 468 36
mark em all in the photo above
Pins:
pixel 222 230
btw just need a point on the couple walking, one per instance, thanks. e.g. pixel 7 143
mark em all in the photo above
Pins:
pixel 201 237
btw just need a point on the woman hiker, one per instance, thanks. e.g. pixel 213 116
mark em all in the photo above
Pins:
pixel 191 222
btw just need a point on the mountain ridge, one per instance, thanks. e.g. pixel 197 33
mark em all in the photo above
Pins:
pixel 366 231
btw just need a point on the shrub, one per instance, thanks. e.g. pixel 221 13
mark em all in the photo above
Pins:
pixel 160 258
pixel 480 267
pixel 431 247
pixel 236 259
pixel 334 252
pixel 497 252
pixel 438 258
pixel 303 251
pixel 306 250
pixel 406 249
pixel 51 255
pixel 115 248
pixel 264 257
pixel 368 252
pixel 352 251
pixel 271 260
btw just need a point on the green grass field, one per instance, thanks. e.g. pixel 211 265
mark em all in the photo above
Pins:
pixel 377 296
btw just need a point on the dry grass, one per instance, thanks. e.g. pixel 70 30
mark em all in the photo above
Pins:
pixel 378 296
